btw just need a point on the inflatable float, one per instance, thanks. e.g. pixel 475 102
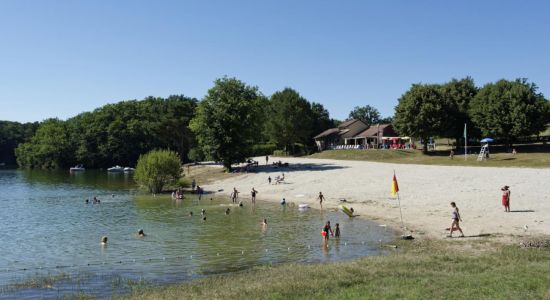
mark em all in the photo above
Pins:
pixel 347 211
pixel 303 206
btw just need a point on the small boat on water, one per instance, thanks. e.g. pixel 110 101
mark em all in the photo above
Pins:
pixel 116 168
pixel 129 170
pixel 77 168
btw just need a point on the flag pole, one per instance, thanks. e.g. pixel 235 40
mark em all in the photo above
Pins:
pixel 465 143
pixel 400 213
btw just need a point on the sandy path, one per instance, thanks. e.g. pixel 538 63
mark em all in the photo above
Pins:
pixel 425 192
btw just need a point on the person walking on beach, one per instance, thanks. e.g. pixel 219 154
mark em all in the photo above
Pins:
pixel 506 198
pixel 269 179
pixel 234 195
pixel 455 225
pixel 266 159
pixel 253 194
pixel 321 198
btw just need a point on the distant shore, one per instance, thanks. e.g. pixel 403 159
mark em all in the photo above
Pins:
pixel 425 193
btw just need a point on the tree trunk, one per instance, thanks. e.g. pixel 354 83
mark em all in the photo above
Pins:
pixel 227 166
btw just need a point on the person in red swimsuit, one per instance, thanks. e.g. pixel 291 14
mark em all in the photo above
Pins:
pixel 506 198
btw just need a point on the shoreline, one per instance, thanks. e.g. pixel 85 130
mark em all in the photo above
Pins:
pixel 425 191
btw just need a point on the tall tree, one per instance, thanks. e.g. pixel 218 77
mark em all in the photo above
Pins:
pixel 510 109
pixel 367 114
pixel 11 135
pixel 421 112
pixel 457 95
pixel 290 119
pixel 227 121
pixel 321 118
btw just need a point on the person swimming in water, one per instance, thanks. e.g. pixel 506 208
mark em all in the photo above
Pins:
pixel 241 204
pixel 227 211
pixel 264 222
pixel 283 202
pixel 190 213
pixel 203 212
pixel 204 218
pixel 141 233
pixel 87 201
pixel 104 240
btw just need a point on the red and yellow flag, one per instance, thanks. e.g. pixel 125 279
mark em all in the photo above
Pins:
pixel 394 186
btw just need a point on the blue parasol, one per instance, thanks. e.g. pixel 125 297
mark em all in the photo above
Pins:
pixel 486 140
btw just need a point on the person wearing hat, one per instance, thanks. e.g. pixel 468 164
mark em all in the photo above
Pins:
pixel 506 198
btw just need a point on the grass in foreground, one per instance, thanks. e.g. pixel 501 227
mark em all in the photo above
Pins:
pixel 522 159
pixel 423 270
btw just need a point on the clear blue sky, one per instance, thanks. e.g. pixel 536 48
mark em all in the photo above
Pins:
pixel 60 58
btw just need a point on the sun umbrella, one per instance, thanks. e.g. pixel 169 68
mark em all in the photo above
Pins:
pixel 486 140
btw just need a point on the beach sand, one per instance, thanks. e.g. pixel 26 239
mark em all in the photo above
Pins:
pixel 425 193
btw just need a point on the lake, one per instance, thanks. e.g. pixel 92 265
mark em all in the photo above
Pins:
pixel 51 238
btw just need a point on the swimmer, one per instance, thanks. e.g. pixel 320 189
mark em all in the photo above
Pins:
pixel 141 233
pixel 104 240
pixel 351 209
pixel 211 199
pixel 241 204
pixel 190 213
pixel 264 222
pixel 112 195
pixel 204 218
pixel 283 202
pixel 203 212
pixel 227 211
pixel 87 201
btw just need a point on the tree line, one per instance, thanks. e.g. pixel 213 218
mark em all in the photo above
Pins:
pixel 504 110
pixel 234 121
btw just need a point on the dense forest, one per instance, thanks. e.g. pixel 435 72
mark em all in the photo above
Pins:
pixel 113 134
pixel 11 135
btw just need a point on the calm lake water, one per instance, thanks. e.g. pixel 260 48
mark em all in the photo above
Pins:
pixel 51 238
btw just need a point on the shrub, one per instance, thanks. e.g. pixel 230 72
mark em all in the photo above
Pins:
pixel 156 169
pixel 195 155
pixel 280 153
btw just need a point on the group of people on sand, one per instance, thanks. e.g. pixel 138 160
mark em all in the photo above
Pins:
pixel 455 214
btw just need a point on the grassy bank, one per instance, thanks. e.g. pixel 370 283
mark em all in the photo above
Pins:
pixel 522 159
pixel 419 270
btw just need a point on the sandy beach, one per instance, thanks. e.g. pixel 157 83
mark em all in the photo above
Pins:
pixel 425 193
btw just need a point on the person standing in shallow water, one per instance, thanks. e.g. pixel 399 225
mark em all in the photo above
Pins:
pixel 506 198
pixel 253 194
pixel 455 225
pixel 234 195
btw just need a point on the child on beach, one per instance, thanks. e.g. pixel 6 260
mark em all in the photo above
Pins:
pixel 455 225
pixel 321 198
pixel 337 231
pixel 506 198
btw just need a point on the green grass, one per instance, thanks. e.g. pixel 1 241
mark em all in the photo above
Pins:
pixel 422 270
pixel 528 158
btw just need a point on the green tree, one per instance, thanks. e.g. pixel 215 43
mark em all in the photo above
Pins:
pixel 227 121
pixel 507 110
pixel 457 95
pixel 11 135
pixel 367 114
pixel 321 119
pixel 290 119
pixel 157 168
pixel 49 148
pixel 421 112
